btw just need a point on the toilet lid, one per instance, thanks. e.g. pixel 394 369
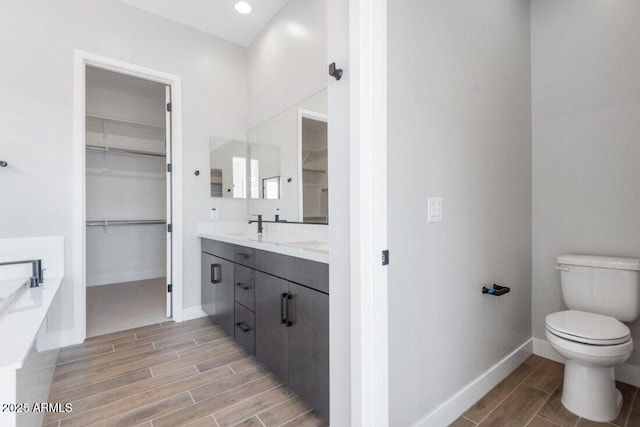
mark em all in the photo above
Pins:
pixel 588 328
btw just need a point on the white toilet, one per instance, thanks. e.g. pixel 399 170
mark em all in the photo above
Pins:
pixel 601 293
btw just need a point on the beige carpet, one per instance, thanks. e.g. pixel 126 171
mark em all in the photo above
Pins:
pixel 113 308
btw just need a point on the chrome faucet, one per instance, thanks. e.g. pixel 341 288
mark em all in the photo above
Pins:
pixel 37 272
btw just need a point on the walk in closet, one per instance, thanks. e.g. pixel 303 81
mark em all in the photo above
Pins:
pixel 126 202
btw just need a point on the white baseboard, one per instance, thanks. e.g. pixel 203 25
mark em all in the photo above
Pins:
pixel 626 373
pixel 629 374
pixel 451 409
pixel 110 279
pixel 543 348
pixel 191 313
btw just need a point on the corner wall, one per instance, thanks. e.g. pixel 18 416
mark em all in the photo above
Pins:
pixel 586 139
pixel 459 127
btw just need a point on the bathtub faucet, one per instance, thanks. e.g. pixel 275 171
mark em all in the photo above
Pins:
pixel 37 275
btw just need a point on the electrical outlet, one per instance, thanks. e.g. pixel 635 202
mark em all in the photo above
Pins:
pixel 214 213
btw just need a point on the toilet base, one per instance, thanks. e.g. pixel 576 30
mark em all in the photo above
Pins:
pixel 590 391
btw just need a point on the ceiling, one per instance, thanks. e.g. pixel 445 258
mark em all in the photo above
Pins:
pixel 216 17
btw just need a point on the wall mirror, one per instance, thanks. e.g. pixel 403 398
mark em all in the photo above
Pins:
pixel 289 164
pixel 265 171
pixel 228 168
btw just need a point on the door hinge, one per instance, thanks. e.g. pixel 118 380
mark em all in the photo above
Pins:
pixel 169 287
pixel 169 228
pixel 169 167
pixel 385 257
pixel 169 107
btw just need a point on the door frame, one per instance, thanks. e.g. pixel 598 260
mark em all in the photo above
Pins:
pixel 368 213
pixel 82 59
pixel 311 115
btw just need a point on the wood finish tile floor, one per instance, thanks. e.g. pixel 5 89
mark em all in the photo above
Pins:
pixel 530 396
pixel 168 375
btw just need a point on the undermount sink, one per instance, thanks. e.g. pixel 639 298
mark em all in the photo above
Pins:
pixel 10 292
pixel 310 244
pixel 278 240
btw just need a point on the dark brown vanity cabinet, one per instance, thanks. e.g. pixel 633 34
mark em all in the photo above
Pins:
pixel 272 338
pixel 308 314
pixel 208 290
pixel 292 337
pixel 217 291
pixel 280 307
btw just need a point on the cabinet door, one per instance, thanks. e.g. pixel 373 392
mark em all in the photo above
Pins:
pixel 224 294
pixel 272 335
pixel 309 347
pixel 207 286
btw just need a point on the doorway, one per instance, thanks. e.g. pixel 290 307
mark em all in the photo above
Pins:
pixel 313 159
pixel 127 201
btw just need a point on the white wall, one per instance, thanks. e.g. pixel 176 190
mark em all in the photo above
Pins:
pixel 117 95
pixel 586 139
pixel 459 127
pixel 36 116
pixel 287 61
pixel 338 107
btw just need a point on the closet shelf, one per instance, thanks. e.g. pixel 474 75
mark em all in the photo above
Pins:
pixel 106 223
pixel 123 151
pixel 125 121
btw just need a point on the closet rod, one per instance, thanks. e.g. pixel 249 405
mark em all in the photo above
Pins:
pixel 105 223
pixel 123 151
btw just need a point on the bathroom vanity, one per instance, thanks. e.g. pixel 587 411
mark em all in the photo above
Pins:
pixel 272 297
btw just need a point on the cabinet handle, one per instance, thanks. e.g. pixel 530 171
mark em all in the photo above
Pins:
pixel 245 255
pixel 215 273
pixel 289 298
pixel 243 286
pixel 243 327
pixel 283 308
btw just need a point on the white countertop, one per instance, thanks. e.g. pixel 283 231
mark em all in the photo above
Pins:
pixel 295 246
pixel 21 323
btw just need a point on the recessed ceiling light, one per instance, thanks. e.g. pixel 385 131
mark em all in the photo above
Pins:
pixel 243 7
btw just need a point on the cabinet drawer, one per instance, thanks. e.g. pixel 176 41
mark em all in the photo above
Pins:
pixel 308 273
pixel 245 256
pixel 245 286
pixel 219 249
pixel 245 329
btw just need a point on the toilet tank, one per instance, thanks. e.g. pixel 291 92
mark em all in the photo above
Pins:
pixel 602 285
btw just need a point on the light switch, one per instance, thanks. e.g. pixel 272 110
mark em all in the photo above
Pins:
pixel 214 213
pixel 434 210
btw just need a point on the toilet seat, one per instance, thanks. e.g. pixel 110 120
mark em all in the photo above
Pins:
pixel 587 328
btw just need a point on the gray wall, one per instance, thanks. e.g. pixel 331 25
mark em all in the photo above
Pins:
pixel 287 60
pixel 459 127
pixel 36 112
pixel 586 139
